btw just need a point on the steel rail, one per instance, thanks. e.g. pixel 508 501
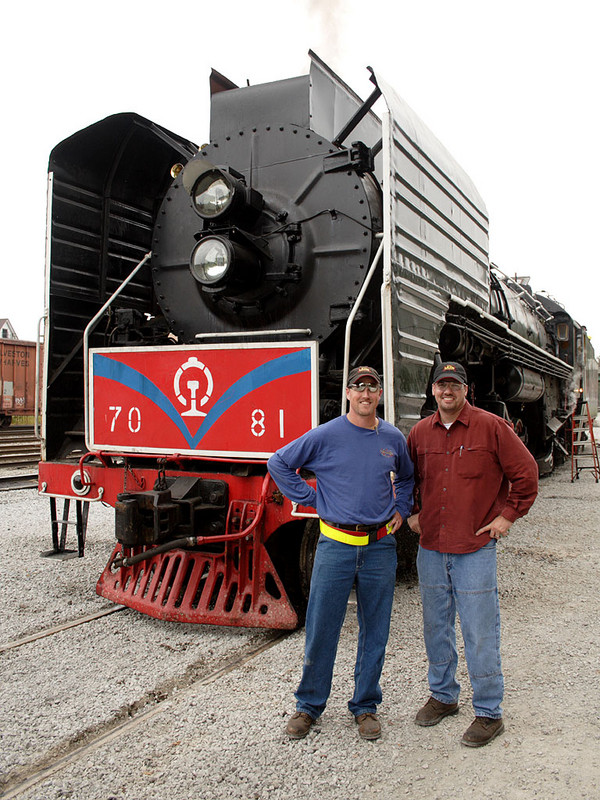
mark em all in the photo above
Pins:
pixel 115 730
pixel 74 623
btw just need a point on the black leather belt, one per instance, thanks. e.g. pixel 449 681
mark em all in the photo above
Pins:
pixel 350 526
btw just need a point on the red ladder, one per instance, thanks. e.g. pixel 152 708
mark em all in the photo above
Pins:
pixel 582 435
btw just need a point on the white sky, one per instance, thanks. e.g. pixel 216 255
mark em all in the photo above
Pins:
pixel 511 88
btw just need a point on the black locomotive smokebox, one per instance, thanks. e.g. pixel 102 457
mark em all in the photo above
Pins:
pixel 314 239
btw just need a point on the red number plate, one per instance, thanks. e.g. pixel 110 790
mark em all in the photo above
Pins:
pixel 221 400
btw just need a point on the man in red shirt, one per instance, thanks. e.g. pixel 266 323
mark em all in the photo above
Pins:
pixel 473 478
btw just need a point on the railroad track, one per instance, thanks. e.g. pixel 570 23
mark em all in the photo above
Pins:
pixel 18 447
pixel 34 637
pixel 112 730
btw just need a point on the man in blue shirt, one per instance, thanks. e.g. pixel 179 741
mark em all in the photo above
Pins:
pixel 360 505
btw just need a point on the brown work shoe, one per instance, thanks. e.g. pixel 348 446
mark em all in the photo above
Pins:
pixel 481 731
pixel 434 711
pixel 298 725
pixel 369 726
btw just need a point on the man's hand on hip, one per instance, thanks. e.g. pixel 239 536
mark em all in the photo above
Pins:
pixel 498 527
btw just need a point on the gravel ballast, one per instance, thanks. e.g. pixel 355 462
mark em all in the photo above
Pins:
pixel 223 738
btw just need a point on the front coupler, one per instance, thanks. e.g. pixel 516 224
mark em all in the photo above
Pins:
pixel 188 554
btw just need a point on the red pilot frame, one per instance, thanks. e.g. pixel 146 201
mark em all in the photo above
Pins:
pixel 178 438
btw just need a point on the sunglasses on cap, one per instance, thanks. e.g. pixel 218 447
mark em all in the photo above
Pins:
pixel 360 387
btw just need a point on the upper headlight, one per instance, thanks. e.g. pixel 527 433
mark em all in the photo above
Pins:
pixel 219 193
pixel 212 194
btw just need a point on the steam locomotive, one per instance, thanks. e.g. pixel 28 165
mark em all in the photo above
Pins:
pixel 204 307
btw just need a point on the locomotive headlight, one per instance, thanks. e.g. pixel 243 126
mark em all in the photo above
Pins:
pixel 221 264
pixel 212 194
pixel 221 193
pixel 211 260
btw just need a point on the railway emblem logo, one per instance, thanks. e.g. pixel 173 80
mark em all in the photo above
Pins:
pixel 192 385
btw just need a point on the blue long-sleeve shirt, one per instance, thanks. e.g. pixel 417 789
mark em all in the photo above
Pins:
pixel 353 467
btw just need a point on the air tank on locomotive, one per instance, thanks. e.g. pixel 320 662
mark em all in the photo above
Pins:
pixel 513 303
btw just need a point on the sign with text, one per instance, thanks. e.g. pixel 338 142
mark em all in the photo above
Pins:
pixel 234 400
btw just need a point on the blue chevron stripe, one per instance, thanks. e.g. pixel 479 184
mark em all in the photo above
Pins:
pixel 283 366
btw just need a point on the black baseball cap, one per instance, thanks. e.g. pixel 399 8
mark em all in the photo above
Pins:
pixel 450 369
pixel 362 372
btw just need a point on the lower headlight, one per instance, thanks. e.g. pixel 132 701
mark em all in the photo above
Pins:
pixel 211 260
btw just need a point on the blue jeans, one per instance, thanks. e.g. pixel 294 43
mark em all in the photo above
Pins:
pixel 467 583
pixel 336 568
